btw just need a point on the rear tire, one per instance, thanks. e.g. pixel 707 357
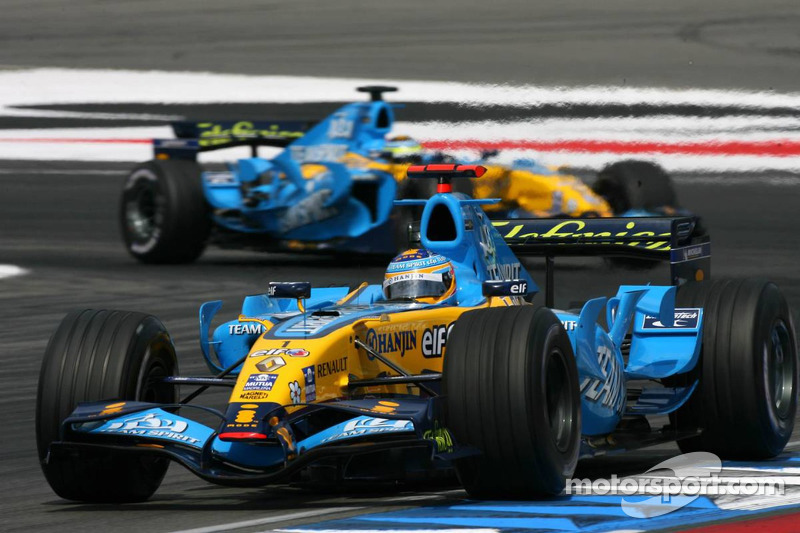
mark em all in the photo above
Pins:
pixel 403 216
pixel 163 212
pixel 511 390
pixel 627 185
pixel 635 185
pixel 102 355
pixel 746 399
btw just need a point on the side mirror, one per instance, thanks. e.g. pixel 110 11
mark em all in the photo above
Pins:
pixel 611 311
pixel 414 239
pixel 506 287
pixel 299 290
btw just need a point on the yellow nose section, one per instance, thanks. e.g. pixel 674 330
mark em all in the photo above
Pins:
pixel 294 372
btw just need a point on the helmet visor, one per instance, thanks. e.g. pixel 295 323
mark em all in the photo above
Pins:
pixel 415 285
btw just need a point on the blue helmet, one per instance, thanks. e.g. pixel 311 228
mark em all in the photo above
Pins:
pixel 419 275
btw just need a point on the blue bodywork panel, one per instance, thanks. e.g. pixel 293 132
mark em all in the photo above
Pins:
pixel 356 428
pixel 151 424
pixel 656 351
pixel 661 400
pixel 281 200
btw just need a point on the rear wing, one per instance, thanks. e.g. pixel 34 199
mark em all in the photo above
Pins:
pixel 677 240
pixel 195 137
pixel 358 127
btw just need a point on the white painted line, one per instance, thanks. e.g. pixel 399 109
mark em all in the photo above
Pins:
pixel 142 133
pixel 639 129
pixel 763 179
pixel 645 128
pixel 15 145
pixel 57 113
pixel 679 143
pixel 63 86
pixel 268 520
pixel 142 151
pixel 10 271
pixel 68 172
pixel 418 497
pixel 672 163
pixel 790 474
pixel 755 503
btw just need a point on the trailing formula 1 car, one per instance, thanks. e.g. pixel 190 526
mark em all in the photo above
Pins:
pixel 443 366
pixel 332 187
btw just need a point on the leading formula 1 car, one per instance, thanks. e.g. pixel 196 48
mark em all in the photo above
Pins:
pixel 444 365
pixel 332 187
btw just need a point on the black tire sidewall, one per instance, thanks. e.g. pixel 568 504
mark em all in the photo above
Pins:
pixel 635 185
pixel 773 308
pixel 495 386
pixel 184 224
pixel 555 339
pixel 96 356
pixel 142 176
pixel 731 404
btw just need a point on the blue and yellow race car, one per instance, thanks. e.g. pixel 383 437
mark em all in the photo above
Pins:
pixel 332 188
pixel 443 366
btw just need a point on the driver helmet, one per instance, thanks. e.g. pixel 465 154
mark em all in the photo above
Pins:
pixel 402 147
pixel 421 276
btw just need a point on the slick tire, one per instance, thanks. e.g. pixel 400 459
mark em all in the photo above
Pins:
pixel 635 185
pixel 93 356
pixel 746 397
pixel 164 216
pixel 511 391
pixel 629 185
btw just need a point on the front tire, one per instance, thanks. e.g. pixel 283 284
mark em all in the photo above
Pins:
pixel 746 398
pixel 93 356
pixel 163 212
pixel 511 391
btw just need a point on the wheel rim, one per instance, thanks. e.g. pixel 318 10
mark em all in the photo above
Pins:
pixel 143 210
pixel 779 368
pixel 559 400
pixel 152 387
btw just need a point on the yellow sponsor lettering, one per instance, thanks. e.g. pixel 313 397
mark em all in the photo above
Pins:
pixel 556 231
pixel 572 229
pixel 213 134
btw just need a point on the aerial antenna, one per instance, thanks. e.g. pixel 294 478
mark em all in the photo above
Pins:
pixel 376 91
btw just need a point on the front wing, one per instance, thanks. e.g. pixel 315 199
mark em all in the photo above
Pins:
pixel 367 427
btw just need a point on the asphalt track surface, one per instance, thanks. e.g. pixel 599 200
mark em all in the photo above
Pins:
pixel 687 43
pixel 58 220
